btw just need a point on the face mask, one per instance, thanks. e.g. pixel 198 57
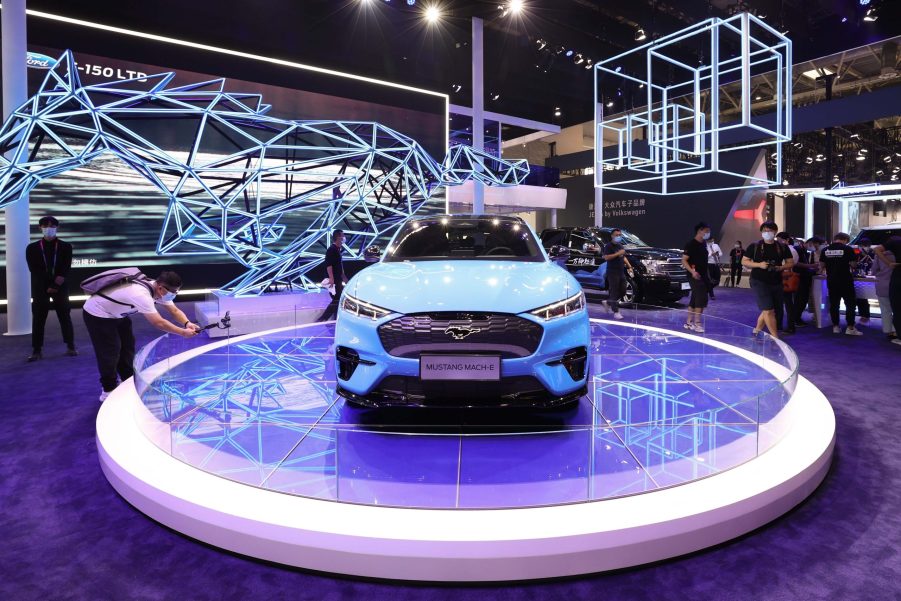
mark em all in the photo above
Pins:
pixel 168 297
pixel 768 236
pixel 707 236
pixel 49 232
pixel 617 239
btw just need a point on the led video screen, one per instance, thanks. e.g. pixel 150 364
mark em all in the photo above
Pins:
pixel 114 217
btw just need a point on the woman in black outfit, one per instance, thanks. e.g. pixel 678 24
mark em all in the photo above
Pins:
pixel 735 256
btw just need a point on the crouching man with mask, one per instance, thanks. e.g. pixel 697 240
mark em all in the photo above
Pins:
pixel 107 316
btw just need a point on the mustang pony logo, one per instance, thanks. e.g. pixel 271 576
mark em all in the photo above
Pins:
pixel 461 332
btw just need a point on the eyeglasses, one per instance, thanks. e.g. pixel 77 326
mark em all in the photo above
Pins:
pixel 168 289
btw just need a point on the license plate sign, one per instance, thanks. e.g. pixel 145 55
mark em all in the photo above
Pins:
pixel 460 367
pixel 686 286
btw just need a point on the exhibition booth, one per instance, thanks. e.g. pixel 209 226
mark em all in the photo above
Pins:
pixel 469 411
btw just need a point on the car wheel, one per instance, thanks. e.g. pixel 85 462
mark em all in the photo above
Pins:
pixel 633 291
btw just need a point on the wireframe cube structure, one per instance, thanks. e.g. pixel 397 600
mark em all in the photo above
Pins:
pixel 683 129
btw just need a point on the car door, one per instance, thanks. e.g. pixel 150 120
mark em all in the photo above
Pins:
pixel 586 262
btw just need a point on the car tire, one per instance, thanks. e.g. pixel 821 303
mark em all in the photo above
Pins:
pixel 633 291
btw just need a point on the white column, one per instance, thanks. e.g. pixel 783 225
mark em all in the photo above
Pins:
pixel 553 217
pixel 15 92
pixel 808 215
pixel 478 110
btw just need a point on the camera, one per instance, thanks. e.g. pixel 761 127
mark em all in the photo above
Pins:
pixel 773 265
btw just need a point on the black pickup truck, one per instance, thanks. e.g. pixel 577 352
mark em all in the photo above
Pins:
pixel 657 277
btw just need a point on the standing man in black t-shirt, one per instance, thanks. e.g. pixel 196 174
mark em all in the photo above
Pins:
pixel 735 256
pixel 617 263
pixel 806 267
pixel 893 245
pixel 839 260
pixel 335 269
pixel 49 260
pixel 767 258
pixel 694 261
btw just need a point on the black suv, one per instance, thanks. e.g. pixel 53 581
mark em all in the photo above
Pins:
pixel 658 275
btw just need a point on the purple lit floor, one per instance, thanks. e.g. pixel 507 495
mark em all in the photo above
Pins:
pixel 68 535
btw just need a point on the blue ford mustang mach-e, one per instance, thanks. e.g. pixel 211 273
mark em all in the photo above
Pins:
pixel 463 311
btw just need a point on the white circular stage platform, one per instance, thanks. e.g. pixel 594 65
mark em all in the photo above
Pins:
pixel 360 536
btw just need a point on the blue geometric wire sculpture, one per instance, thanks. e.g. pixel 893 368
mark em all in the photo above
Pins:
pixel 680 130
pixel 264 190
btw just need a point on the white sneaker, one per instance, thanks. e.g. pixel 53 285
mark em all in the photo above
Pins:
pixel 896 341
pixel 103 396
pixel 617 315
pixel 836 330
pixel 689 325
pixel 699 328
pixel 853 332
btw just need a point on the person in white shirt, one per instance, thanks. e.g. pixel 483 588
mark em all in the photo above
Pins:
pixel 107 317
pixel 714 254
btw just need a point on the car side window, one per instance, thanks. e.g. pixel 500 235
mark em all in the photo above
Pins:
pixel 580 242
pixel 550 238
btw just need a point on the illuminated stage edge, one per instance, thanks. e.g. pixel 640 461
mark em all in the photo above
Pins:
pixel 467 545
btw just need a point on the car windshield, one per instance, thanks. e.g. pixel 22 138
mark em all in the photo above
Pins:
pixel 629 239
pixel 479 238
pixel 877 236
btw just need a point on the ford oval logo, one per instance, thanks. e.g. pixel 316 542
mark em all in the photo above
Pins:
pixel 39 61
pixel 461 332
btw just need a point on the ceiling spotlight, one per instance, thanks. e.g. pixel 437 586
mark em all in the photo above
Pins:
pixel 579 59
pixel 411 2
pixel 864 2
pixel 855 135
pixel 569 53
pixel 861 157
pixel 871 15
pixel 640 35
pixel 896 169
pixel 495 96
pixel 844 19
pixel 835 177
pixel 820 158
pixel 432 14
pixel 557 112
pixel 609 104
pixel 864 150
pixel 541 44
pixel 588 64
pixel 887 158
pixel 894 178
pixel 515 6
pixel 758 97
pixel 880 172
pixel 808 160
pixel 785 182
pixel 641 86
pixel 456 87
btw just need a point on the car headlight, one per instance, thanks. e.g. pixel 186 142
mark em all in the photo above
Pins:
pixel 562 308
pixel 654 267
pixel 361 308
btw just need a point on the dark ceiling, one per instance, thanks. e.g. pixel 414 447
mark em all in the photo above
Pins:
pixel 391 40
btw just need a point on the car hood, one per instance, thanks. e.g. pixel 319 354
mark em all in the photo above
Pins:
pixel 500 286
pixel 653 253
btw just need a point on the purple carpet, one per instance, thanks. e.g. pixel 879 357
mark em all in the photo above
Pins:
pixel 68 535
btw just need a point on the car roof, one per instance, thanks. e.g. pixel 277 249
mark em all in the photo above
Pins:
pixel 462 216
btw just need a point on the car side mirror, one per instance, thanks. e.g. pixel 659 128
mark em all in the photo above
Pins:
pixel 559 254
pixel 372 254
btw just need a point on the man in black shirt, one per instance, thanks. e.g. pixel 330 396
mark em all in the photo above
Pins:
pixel 806 268
pixel 767 258
pixel 839 260
pixel 893 245
pixel 617 263
pixel 694 261
pixel 49 260
pixel 335 269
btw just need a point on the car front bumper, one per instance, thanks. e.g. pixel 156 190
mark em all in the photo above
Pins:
pixel 369 375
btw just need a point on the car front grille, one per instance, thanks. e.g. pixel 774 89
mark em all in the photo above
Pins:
pixel 673 268
pixel 466 332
